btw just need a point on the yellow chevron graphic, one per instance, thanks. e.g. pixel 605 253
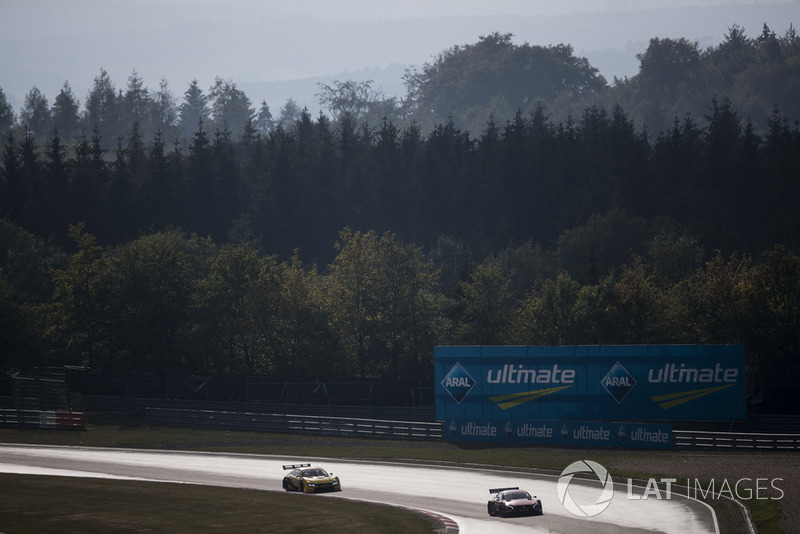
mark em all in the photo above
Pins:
pixel 673 399
pixel 515 399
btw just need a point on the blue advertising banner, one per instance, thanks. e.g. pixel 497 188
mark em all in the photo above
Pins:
pixel 590 383
pixel 560 433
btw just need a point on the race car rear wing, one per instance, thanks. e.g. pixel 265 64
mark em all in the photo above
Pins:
pixel 498 490
pixel 295 466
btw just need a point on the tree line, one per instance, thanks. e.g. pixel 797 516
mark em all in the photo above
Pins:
pixel 473 84
pixel 109 113
pixel 168 301
pixel 530 179
pixel 495 78
pixel 215 240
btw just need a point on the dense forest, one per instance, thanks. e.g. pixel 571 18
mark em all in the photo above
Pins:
pixel 208 237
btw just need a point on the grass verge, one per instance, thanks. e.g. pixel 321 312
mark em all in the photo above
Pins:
pixel 660 464
pixel 45 504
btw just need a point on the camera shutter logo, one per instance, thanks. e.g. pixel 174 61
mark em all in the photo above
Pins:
pixel 586 510
pixel 458 382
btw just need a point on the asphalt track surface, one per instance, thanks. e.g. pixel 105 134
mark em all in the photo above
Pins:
pixel 457 493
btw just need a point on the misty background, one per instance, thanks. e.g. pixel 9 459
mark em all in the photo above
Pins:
pixel 274 50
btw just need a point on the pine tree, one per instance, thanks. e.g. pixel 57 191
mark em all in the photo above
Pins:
pixel 102 109
pixel 55 182
pixel 35 114
pixel 165 110
pixel 264 122
pixel 11 191
pixel 136 106
pixel 65 113
pixel 6 114
pixel 194 111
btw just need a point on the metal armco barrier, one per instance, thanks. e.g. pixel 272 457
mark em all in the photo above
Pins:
pixel 42 419
pixel 377 428
pixel 690 439
pixel 111 404
pixel 295 424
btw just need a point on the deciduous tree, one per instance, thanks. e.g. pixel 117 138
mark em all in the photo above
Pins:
pixel 80 302
pixel 488 306
pixel 230 107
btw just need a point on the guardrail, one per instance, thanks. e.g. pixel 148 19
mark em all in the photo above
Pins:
pixel 690 439
pixel 111 404
pixel 57 420
pixel 382 428
pixel 295 424
pixel 364 427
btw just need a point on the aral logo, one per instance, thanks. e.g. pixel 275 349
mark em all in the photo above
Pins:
pixel 618 382
pixel 458 382
pixel 453 428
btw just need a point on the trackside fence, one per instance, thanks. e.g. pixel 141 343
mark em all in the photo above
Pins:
pixel 56 420
pixel 690 439
pixel 295 424
pixel 122 405
pixel 363 427
pixel 421 430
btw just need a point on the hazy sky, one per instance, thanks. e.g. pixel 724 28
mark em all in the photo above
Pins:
pixel 267 46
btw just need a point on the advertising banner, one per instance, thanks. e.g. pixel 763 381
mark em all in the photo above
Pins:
pixel 590 383
pixel 555 433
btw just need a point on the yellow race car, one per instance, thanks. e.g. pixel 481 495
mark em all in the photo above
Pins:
pixel 309 479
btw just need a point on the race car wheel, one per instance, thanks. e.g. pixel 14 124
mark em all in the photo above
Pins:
pixel 285 485
pixel 489 509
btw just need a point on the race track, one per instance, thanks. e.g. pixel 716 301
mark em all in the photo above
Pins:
pixel 460 494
